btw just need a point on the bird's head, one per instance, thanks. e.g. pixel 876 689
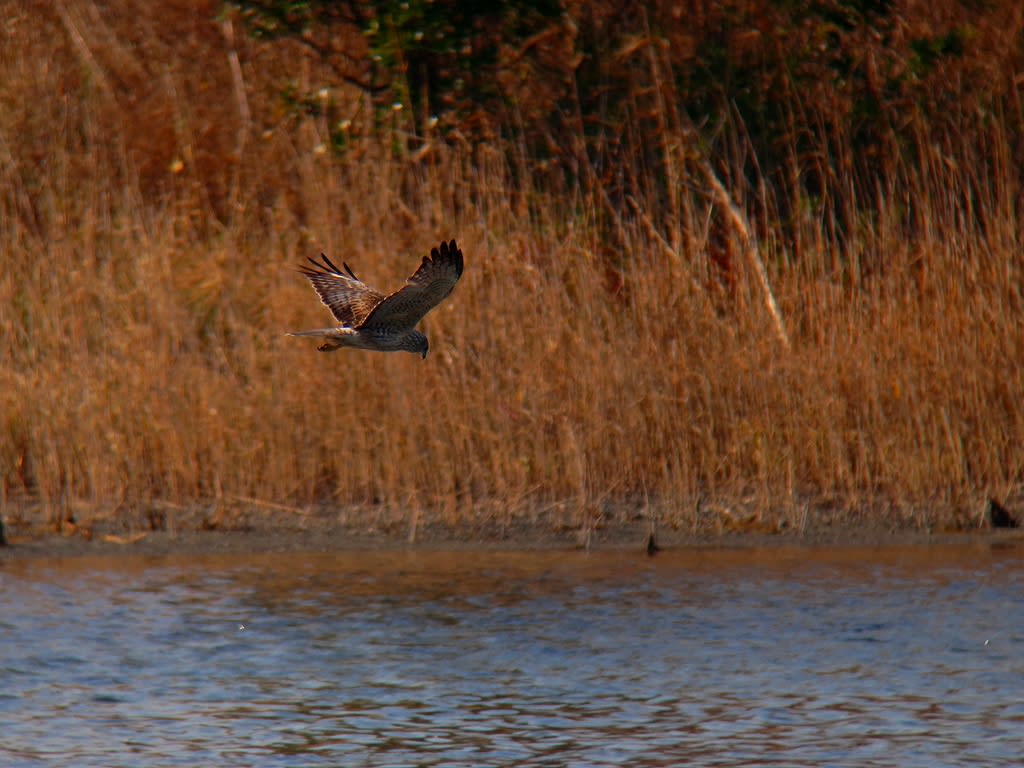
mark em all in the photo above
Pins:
pixel 420 345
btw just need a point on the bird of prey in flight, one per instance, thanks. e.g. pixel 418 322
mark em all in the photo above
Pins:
pixel 370 320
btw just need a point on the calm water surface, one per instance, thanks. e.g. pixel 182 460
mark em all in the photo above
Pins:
pixel 790 657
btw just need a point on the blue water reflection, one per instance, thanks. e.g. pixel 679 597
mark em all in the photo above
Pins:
pixel 908 657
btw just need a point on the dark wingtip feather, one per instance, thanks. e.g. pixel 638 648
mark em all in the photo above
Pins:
pixel 324 266
pixel 459 263
pixel 308 271
pixel 450 251
pixel 331 264
pixel 320 267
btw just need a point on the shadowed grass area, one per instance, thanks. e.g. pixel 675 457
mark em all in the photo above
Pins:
pixel 613 357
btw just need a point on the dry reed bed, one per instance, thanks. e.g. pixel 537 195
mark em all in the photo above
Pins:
pixel 581 359
pixel 157 368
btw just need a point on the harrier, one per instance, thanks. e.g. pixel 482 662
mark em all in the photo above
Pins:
pixel 371 320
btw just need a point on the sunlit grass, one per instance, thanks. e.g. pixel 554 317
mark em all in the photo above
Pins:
pixel 589 366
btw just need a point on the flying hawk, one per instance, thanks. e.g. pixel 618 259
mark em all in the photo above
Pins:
pixel 371 320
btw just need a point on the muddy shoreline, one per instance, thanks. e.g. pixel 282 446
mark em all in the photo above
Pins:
pixel 331 536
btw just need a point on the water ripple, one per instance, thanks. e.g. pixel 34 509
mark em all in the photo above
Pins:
pixel 733 658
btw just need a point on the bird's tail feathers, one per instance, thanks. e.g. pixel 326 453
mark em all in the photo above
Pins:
pixel 315 332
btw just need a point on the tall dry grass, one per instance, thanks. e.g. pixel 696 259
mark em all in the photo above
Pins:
pixel 594 359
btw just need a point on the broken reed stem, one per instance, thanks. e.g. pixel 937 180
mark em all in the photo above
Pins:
pixel 268 504
pixel 82 47
pixel 242 103
pixel 748 245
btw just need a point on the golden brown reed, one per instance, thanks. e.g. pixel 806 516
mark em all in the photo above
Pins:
pixel 584 357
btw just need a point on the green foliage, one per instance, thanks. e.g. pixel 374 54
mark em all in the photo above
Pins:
pixel 437 56
pixel 928 52
pixel 811 89
pixel 287 18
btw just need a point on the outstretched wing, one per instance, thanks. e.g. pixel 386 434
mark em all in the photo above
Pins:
pixel 433 281
pixel 349 299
